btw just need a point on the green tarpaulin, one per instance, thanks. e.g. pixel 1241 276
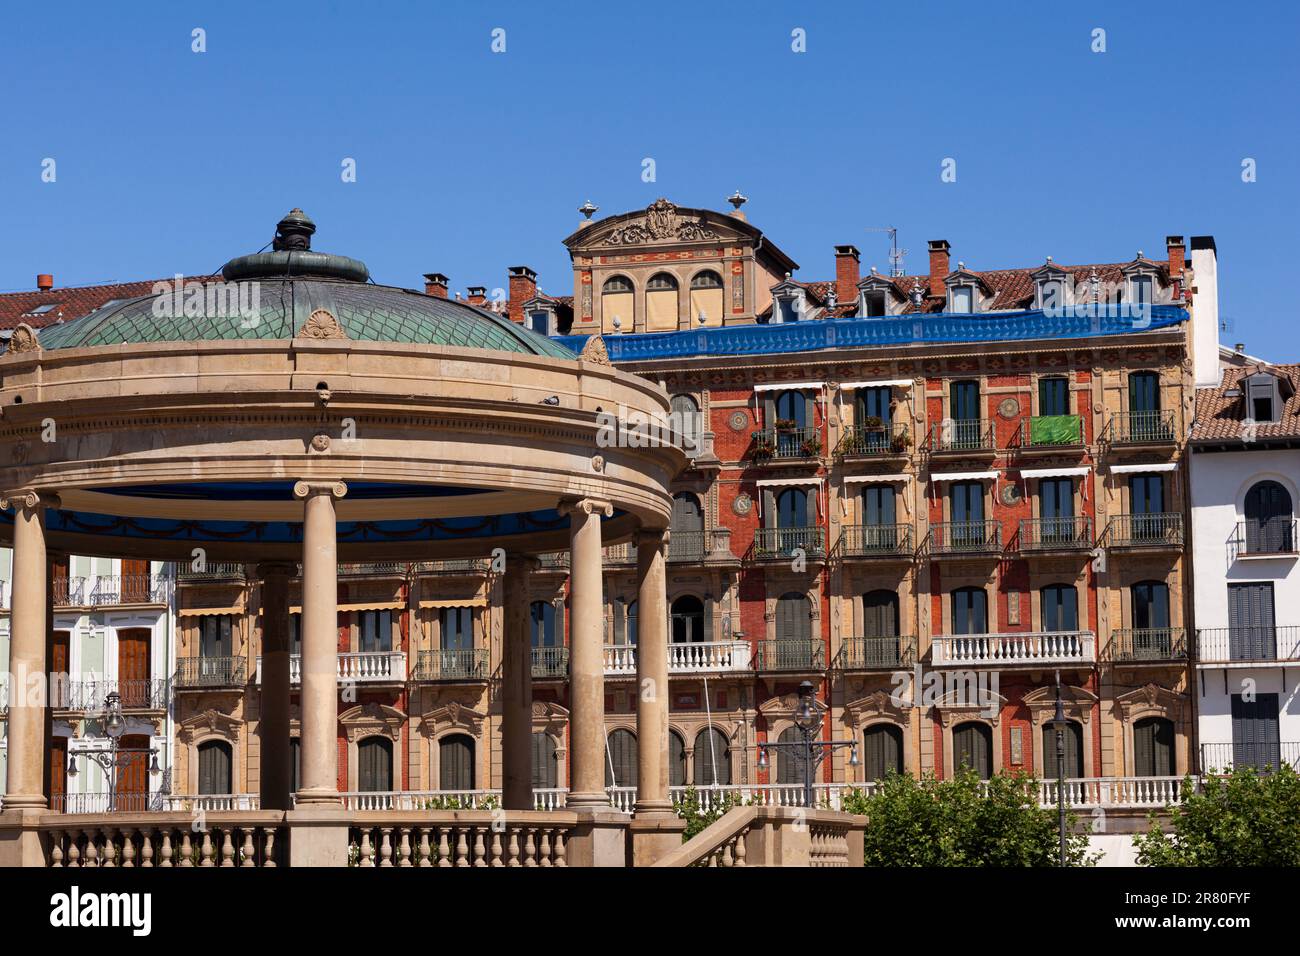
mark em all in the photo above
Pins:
pixel 1056 430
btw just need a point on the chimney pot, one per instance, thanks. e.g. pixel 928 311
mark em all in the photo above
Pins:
pixel 45 282
pixel 477 295
pixel 939 250
pixel 436 284
pixel 848 272
pixel 523 286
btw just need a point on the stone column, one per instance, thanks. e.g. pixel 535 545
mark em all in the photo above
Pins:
pixel 516 688
pixel 273 720
pixel 586 654
pixel 29 618
pixel 652 674
pixel 318 751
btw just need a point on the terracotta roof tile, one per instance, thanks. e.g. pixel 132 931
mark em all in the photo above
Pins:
pixel 1219 416
pixel 73 302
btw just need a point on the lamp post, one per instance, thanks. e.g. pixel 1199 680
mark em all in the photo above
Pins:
pixel 810 751
pixel 1058 722
pixel 113 757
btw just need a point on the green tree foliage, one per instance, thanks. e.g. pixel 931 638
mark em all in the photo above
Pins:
pixel 962 822
pixel 1242 818
pixel 690 808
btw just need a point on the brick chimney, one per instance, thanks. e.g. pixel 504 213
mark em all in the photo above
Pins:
pixel 477 295
pixel 523 286
pixel 435 284
pixel 847 273
pixel 938 266
pixel 1177 261
pixel 45 282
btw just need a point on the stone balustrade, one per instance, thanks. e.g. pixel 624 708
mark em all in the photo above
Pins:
pixel 461 838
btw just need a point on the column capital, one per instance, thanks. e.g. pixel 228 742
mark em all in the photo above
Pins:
pixel 310 489
pixel 28 498
pixel 277 569
pixel 587 506
pixel 522 563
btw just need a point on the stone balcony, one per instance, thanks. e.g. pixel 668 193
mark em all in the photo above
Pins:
pixel 355 667
pixel 697 657
pixel 1014 649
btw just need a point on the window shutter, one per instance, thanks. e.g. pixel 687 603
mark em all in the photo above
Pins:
pixel 676 760
pixel 708 620
pixel 1144 761
pixel 1073 751
pixel 456 763
pixel 545 771
pixel 712 755
pixel 621 761
pixel 882 746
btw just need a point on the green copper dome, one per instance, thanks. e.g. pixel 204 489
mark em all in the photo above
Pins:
pixel 271 295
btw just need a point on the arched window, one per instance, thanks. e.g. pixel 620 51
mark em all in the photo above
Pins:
pixel 456 762
pixel 712 758
pixel 214 767
pixel 1153 747
pixel 688 620
pixel 970 614
pixel 676 760
pixel 790 761
pixel 542 616
pixel 545 765
pixel 617 303
pixel 375 765
pixel 661 303
pixel 686 419
pixel 620 760
pixel 1073 751
pixel 1060 607
pixel 1269 519
pixel 707 298
pixel 878 645
pixel 793 650
pixel 972 746
pixel 882 751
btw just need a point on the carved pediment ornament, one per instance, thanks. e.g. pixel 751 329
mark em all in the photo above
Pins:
pixel 879 704
pixel 594 351
pixel 322 324
pixel 24 339
pixel 1151 699
pixel 786 705
pixel 661 221
pixel 210 721
pixel 1076 701
pixel 365 720
pixel 454 715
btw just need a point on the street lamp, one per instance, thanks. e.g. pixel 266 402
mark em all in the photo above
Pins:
pixel 808 750
pixel 113 757
pixel 1059 723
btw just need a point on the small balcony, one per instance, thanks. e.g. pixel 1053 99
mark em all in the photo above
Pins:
pixel 360 667
pixel 1140 428
pixel 1260 644
pixel 69 592
pixel 373 569
pixel 1050 433
pixel 875 441
pixel 201 673
pixel 114 589
pixel 877 653
pixel 550 663
pixel 792 656
pixel 780 544
pixel 452 664
pixel 1015 649
pixel 961 436
pixel 860 542
pixel 90 695
pixel 553 562
pixel 616 554
pixel 957 538
pixel 1274 538
pixel 454 566
pixel 1073 533
pixel 224 572
pixel 1161 531
pixel 1260 755
pixel 1147 645
pixel 786 444
pixel 689 657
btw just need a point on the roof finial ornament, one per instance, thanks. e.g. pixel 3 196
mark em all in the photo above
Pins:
pixel 1140 254
pixel 588 209
pixel 917 295
pixel 737 200
pixel 1049 260
pixel 293 232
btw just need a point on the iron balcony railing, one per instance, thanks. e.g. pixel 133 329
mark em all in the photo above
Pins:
pixel 1156 530
pixel 451 664
pixel 1248 643
pixel 1136 645
pixel 1056 534
pixel 1260 755
pixel 1015 648
pixel 965 537
pixel 453 566
pixel 1259 538
pixel 783 542
pixel 689 545
pixel 198 672
pixel 803 655
pixel 1050 431
pixel 368 569
pixel 877 653
pixel 961 434
pixel 875 540
pixel 777 444
pixel 128 589
pixel 550 662
pixel 1140 428
pixel 92 694
pixel 871 441
pixel 69 592
pixel 214 571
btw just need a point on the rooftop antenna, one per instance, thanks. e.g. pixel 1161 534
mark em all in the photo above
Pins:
pixel 895 254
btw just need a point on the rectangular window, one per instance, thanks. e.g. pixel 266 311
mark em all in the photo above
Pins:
pixel 875 302
pixel 295 633
pixel 457 628
pixel 1053 396
pixel 214 635
pixel 1252 632
pixel 963 299
pixel 1142 290
pixel 540 322
pixel 375 631
pixel 789 309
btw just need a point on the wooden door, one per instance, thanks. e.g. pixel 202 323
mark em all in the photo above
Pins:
pixel 133 666
pixel 58 773
pixel 59 578
pixel 133 775
pixel 135 582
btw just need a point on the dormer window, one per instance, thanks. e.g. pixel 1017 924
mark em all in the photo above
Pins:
pixel 1263 403
pixel 1051 294
pixel 962 299
pixel 1140 290
pixel 540 322
pixel 789 308
pixel 873 305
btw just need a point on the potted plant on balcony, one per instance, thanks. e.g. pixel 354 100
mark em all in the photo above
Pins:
pixel 764 447
pixel 811 446
pixel 901 442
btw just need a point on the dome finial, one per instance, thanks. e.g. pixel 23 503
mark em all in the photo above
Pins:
pixel 293 232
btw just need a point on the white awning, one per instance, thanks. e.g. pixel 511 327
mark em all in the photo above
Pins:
pixel 197 611
pixel 1054 472
pixel 1130 469
pixel 851 479
pixel 787 482
pixel 786 386
pixel 477 601
pixel 966 476
pixel 878 383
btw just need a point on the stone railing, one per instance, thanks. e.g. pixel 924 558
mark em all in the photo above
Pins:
pixel 165 839
pixel 700 657
pixel 1015 648
pixel 460 838
pixel 774 836
pixel 361 667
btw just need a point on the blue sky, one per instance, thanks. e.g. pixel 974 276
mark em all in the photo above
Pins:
pixel 469 161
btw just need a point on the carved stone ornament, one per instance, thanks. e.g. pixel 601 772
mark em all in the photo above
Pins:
pixel 594 351
pixel 742 505
pixel 1008 408
pixel 661 221
pixel 321 324
pixel 738 421
pixel 24 339
pixel 1010 494
pixel 320 442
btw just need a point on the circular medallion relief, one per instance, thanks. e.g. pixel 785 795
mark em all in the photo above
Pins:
pixel 1010 494
pixel 1008 408
pixel 743 505
pixel 738 421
